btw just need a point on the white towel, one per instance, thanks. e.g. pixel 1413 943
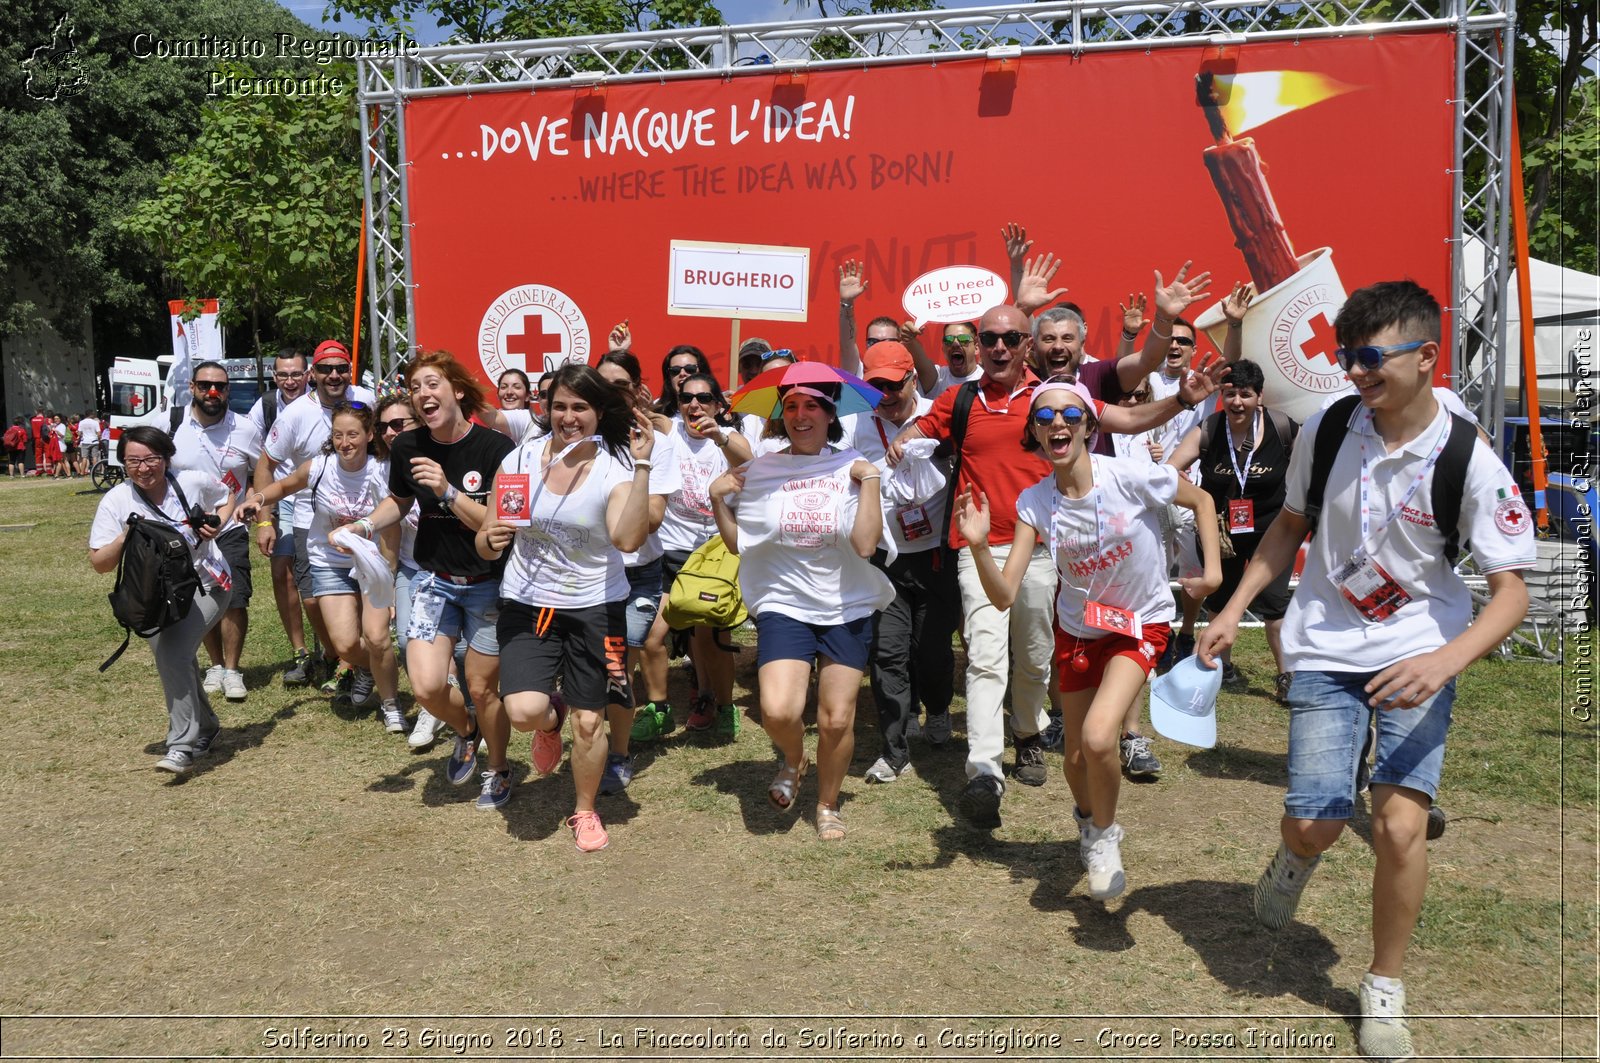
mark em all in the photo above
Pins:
pixel 373 573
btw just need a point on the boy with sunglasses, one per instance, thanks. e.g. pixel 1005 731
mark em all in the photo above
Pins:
pixel 1380 623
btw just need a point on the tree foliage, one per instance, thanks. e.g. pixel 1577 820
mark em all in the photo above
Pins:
pixel 510 20
pixel 264 212
pixel 1555 78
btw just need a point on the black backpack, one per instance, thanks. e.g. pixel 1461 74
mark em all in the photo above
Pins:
pixel 156 577
pixel 1449 475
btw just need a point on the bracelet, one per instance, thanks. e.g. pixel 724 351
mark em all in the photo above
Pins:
pixel 1236 324
pixel 262 524
pixel 367 524
pixel 1130 336
pixel 871 476
pixel 720 441
pixel 1158 334
pixel 643 463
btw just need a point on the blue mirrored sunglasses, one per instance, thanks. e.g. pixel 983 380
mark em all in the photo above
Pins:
pixel 1072 415
pixel 1371 358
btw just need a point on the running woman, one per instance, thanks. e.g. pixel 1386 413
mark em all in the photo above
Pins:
pixel 1100 517
pixel 586 493
pixel 808 521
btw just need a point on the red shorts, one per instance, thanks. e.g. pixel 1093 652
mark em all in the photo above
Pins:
pixel 1144 651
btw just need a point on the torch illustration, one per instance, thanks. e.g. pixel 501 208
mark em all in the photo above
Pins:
pixel 1288 329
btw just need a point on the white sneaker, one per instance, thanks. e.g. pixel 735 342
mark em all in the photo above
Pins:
pixel 233 685
pixel 213 680
pixel 882 771
pixel 425 730
pixel 1106 879
pixel 394 721
pixel 1384 1033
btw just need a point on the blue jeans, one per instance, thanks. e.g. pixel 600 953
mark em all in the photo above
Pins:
pixel 1328 721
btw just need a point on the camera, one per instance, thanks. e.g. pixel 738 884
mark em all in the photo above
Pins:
pixel 199 518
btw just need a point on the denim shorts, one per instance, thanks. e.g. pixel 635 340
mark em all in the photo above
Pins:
pixel 325 581
pixel 472 608
pixel 1328 721
pixel 284 546
pixel 783 638
pixel 644 600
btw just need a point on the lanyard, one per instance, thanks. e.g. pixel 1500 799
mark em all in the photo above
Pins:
pixel 1368 533
pixel 219 454
pixel 1056 501
pixel 1233 452
pixel 1007 407
pixel 538 488
pixel 877 422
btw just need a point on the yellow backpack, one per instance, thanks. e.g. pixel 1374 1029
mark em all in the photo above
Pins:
pixel 706 592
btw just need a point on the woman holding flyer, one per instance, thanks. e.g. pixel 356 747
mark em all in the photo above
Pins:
pixel 347 481
pixel 1101 519
pixel 805 522
pixel 704 446
pixel 567 506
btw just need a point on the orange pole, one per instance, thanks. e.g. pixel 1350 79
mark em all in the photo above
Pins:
pixel 1530 368
pixel 361 280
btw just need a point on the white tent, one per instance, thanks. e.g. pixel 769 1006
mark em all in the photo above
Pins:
pixel 1566 318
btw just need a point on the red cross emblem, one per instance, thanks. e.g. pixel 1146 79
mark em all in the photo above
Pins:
pixel 1321 342
pixel 533 342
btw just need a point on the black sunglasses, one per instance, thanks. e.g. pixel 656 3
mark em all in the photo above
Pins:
pixel 879 339
pixel 705 398
pixel 1183 341
pixel 892 387
pixel 396 425
pixel 212 385
pixel 1013 339
pixel 682 368
pixel 330 370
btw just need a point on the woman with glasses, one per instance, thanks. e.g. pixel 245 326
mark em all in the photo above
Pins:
pixel 1099 517
pixel 621 370
pixel 1143 445
pixel 153 492
pixel 513 390
pixel 346 482
pixel 805 524
pixel 588 499
pixel 703 446
pixel 1244 450
pixel 764 434
pixel 680 363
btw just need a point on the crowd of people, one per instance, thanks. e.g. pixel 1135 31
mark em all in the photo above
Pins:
pixel 62 446
pixel 1015 491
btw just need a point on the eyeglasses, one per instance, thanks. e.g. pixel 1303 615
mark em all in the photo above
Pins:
pixel 781 352
pixel 143 463
pixel 682 368
pixel 1183 341
pixel 1372 358
pixel 219 386
pixel 396 425
pixel 1013 339
pixel 330 370
pixel 704 398
pixel 957 342
pixel 1072 415
pixel 1137 396
pixel 892 387
pixel 878 339
pixel 295 375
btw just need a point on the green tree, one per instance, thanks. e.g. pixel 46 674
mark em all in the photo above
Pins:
pixel 1555 78
pixel 264 212
pixel 510 20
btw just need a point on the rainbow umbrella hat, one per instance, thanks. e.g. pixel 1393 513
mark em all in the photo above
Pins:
pixel 763 396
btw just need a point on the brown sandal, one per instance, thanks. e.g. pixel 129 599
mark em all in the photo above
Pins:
pixel 785 786
pixel 830 826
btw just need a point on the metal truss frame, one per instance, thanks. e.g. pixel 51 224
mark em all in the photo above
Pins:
pixel 1479 171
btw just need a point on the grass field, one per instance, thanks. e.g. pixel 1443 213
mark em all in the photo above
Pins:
pixel 316 870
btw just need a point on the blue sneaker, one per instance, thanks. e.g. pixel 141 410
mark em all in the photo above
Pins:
pixel 618 773
pixel 496 791
pixel 1051 735
pixel 463 757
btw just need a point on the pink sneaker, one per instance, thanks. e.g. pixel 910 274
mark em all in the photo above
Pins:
pixel 587 833
pixel 703 714
pixel 546 753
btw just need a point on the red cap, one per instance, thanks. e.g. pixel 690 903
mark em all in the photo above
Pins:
pixel 329 351
pixel 887 360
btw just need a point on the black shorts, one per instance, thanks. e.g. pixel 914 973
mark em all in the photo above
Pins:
pixel 587 648
pixel 236 549
pixel 302 562
pixel 1270 604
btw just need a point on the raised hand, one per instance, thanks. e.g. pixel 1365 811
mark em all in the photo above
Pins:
pixel 620 339
pixel 643 438
pixel 972 517
pixel 1173 299
pixel 1033 290
pixel 1017 242
pixel 851 282
pixel 1133 318
pixel 1238 301
pixel 1196 387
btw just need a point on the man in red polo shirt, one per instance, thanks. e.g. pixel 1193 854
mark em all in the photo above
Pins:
pixel 993 462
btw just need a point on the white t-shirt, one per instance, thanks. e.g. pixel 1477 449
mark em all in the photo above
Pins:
pixel 795 515
pixel 225 451
pixel 297 437
pixel 407 554
pixel 664 479
pixel 916 526
pixel 946 380
pixel 1322 630
pixel 88 431
pixel 340 498
pixel 565 560
pixel 1128 569
pixel 754 427
pixel 111 519
pixel 521 426
pixel 689 521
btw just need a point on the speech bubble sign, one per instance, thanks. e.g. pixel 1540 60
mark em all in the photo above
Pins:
pixel 953 293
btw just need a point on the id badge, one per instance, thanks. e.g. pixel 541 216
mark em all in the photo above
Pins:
pixel 231 482
pixel 427 607
pixel 1373 592
pixel 914 523
pixel 1241 515
pixel 1110 618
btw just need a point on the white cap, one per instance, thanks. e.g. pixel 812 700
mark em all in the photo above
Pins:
pixel 1183 703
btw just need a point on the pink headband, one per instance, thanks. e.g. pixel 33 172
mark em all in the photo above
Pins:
pixel 1061 385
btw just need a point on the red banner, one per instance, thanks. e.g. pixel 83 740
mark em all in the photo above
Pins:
pixel 542 219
